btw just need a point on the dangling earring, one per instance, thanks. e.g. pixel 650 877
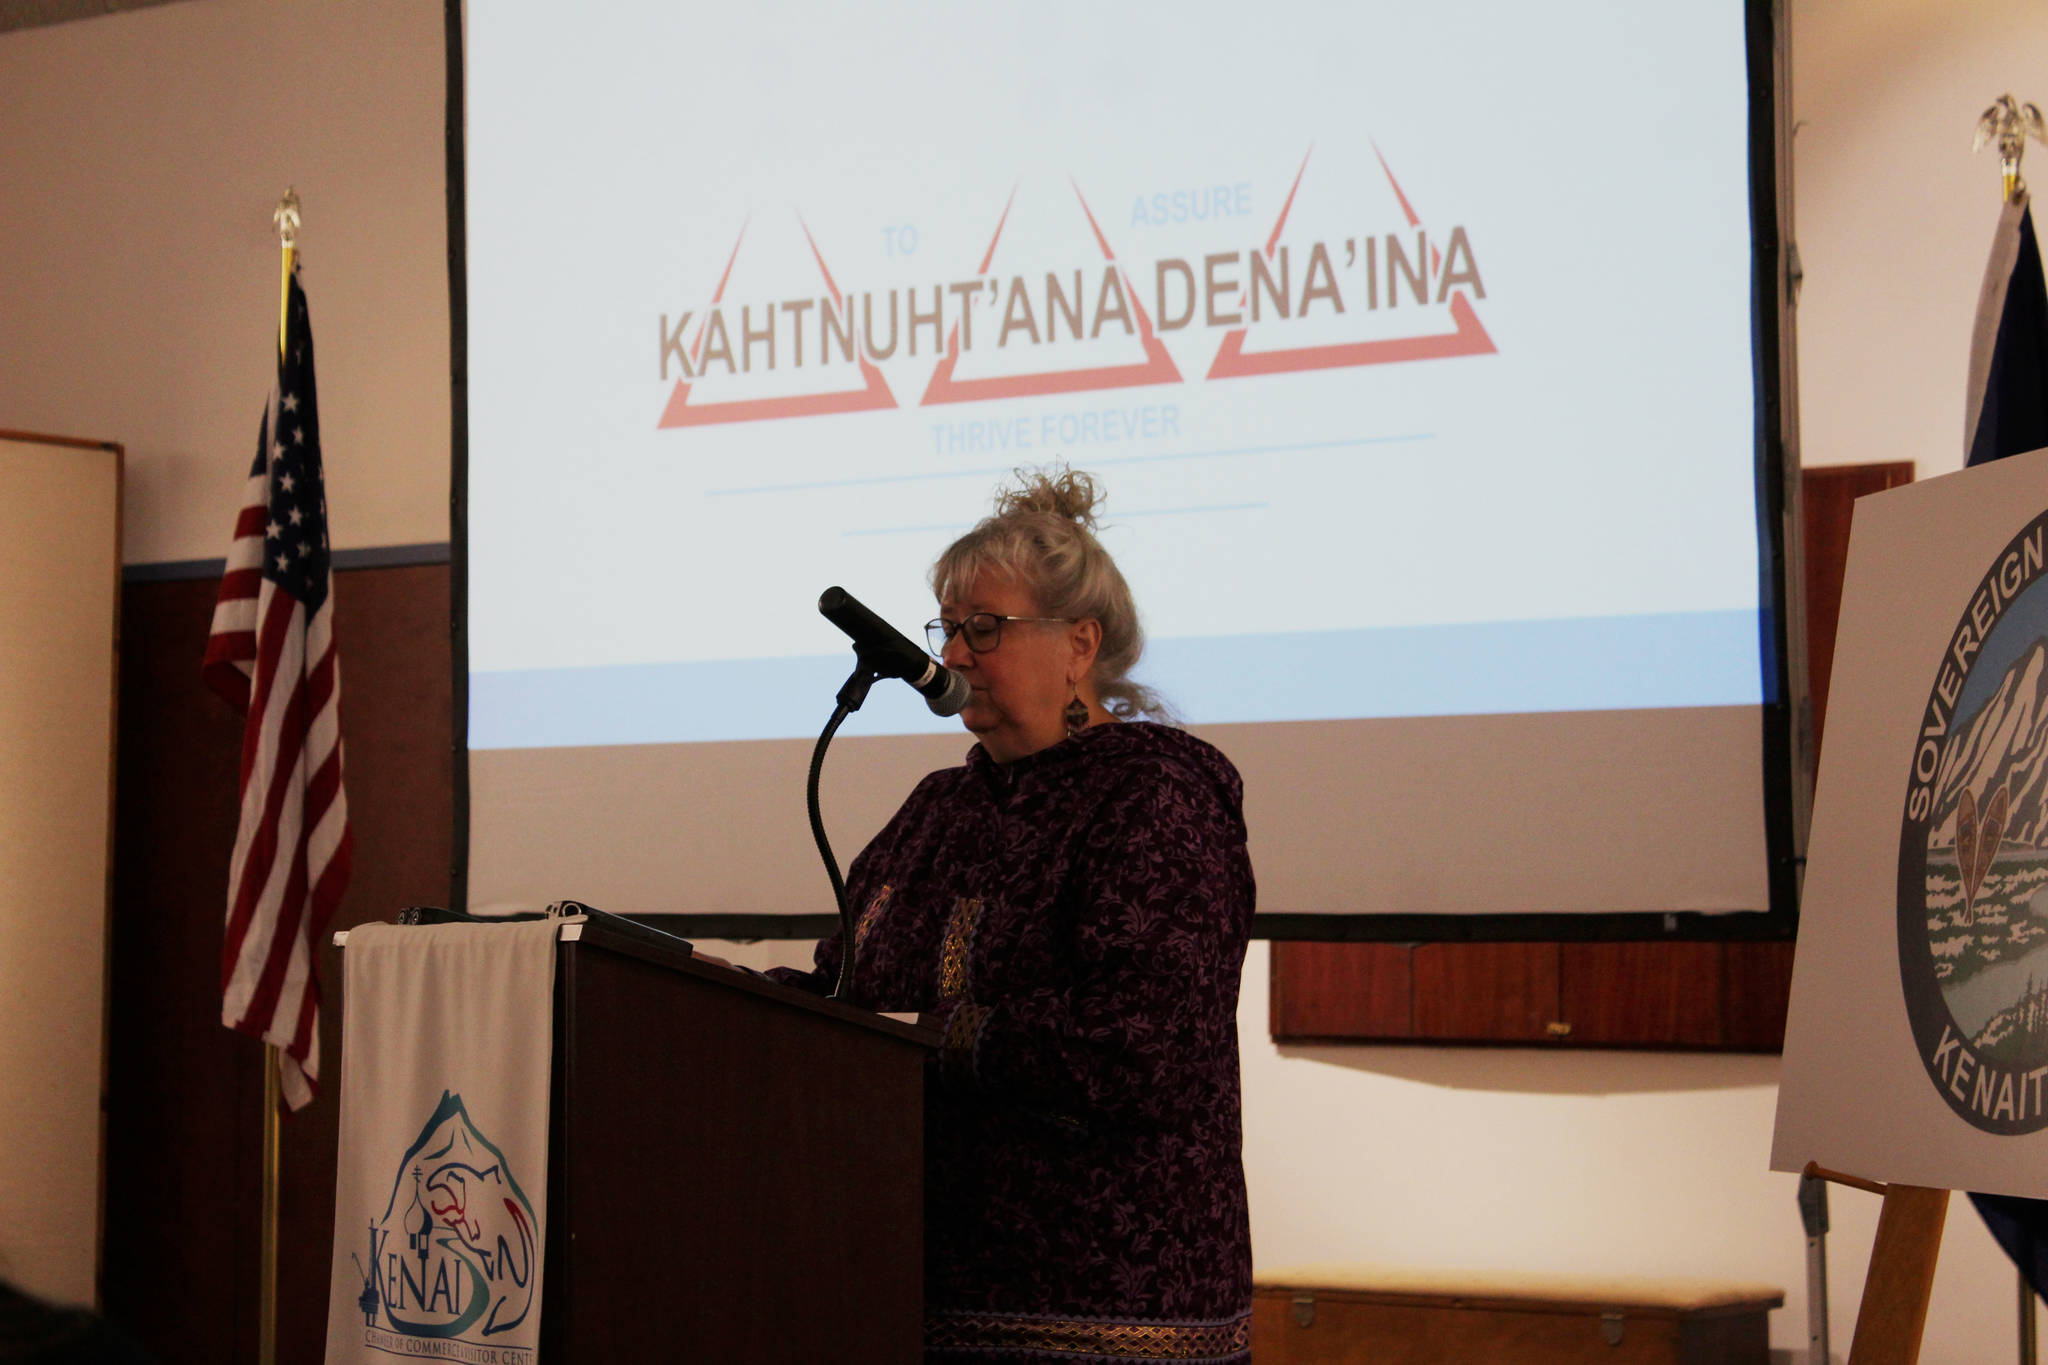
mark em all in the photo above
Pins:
pixel 1076 714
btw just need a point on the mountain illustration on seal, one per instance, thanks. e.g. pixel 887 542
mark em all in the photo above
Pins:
pixel 1987 872
pixel 456 1247
pixel 2005 745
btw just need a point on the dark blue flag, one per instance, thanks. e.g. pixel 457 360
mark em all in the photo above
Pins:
pixel 2008 414
pixel 2021 1227
pixel 2008 396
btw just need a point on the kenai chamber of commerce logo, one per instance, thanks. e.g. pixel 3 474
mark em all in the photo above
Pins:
pixel 1973 872
pixel 453 1254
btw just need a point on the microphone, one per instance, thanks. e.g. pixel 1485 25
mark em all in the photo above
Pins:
pixel 883 648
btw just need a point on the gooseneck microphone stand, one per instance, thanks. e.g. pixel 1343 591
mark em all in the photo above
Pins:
pixel 851 694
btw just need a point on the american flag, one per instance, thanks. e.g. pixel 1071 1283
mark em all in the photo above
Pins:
pixel 271 655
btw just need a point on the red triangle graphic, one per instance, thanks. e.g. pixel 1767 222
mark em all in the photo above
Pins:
pixel 1470 338
pixel 875 393
pixel 1156 368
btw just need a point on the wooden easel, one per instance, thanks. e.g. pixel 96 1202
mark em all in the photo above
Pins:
pixel 1893 1313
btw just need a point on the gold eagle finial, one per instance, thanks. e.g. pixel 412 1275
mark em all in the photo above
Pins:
pixel 2009 123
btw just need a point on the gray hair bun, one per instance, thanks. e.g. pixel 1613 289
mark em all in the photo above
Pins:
pixel 1054 490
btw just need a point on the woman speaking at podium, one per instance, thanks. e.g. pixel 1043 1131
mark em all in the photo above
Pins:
pixel 1070 909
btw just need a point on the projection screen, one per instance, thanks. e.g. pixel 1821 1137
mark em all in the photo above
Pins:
pixel 1419 349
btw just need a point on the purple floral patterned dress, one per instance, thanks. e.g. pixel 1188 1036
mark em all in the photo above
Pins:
pixel 1074 922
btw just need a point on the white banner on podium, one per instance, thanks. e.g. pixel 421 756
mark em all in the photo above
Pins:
pixel 440 1199
pixel 1917 1045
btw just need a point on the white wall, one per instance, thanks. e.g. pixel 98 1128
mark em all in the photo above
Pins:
pixel 1895 214
pixel 1598 1163
pixel 144 153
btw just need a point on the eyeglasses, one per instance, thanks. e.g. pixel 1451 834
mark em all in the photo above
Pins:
pixel 983 631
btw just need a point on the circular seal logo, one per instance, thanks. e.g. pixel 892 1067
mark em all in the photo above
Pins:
pixel 1973 872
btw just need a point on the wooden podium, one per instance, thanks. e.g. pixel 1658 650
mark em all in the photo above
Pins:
pixel 735 1169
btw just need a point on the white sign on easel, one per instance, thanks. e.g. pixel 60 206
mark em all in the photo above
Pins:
pixel 1916 1050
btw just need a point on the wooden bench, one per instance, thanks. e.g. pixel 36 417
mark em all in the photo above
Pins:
pixel 1374 1315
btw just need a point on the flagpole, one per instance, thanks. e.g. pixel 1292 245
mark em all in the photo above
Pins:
pixel 2027 1332
pixel 266 1292
pixel 287 220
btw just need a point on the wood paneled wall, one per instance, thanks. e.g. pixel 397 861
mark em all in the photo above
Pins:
pixel 185 1094
pixel 1695 996
pixel 1829 495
